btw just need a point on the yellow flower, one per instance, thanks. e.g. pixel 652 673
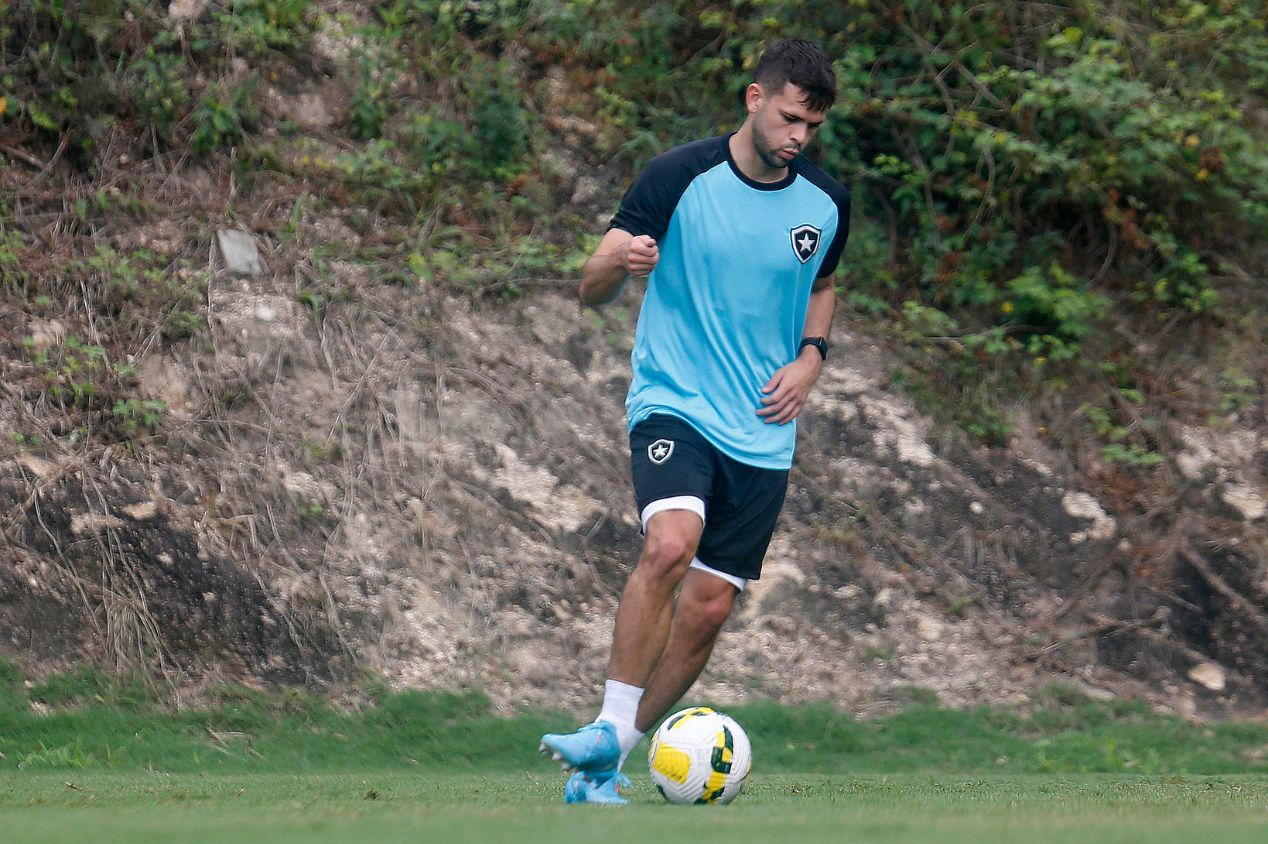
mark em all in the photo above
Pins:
pixel 1201 175
pixel 1192 141
pixel 1007 307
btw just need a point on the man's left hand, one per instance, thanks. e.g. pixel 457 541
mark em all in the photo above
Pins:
pixel 788 388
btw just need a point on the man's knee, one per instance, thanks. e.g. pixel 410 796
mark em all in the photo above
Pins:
pixel 671 543
pixel 706 603
pixel 668 553
pixel 714 609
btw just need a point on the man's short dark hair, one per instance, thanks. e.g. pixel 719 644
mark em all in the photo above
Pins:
pixel 802 63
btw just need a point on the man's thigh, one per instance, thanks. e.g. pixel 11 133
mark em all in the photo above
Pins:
pixel 672 467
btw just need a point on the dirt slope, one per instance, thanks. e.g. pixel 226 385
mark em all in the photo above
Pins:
pixel 436 489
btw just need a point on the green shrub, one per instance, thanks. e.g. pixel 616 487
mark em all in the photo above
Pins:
pixel 222 117
pixel 1054 310
pixel 257 26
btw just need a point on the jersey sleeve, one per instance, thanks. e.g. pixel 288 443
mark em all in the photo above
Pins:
pixel 832 257
pixel 649 204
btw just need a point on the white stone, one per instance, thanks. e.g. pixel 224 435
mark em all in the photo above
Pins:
pixel 1192 464
pixel 976 508
pixel 1206 451
pixel 310 111
pixel 238 251
pixel 37 466
pixel 1209 675
pixel 45 334
pixel 143 511
pixel 1246 500
pixel 586 189
pixel 929 629
pixel 558 506
pixel 1198 453
pixel 85 523
pixel 336 40
pixel 186 10
pixel 912 449
pixel 162 378
pixel 1081 505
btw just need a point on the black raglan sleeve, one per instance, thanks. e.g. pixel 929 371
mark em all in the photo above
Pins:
pixel 841 197
pixel 649 204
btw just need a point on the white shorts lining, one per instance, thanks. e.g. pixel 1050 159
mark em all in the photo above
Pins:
pixel 694 503
pixel 737 582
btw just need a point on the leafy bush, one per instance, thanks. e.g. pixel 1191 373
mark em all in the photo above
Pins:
pixel 256 26
pixel 1005 139
pixel 86 71
pixel 222 117
pixel 162 95
pixel 1055 310
pixel 1035 164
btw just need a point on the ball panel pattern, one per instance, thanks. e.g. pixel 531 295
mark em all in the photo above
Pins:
pixel 700 755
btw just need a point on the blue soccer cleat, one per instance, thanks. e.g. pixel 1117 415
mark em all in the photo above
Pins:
pixel 583 788
pixel 593 749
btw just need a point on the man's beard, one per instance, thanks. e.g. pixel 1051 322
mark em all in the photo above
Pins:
pixel 766 152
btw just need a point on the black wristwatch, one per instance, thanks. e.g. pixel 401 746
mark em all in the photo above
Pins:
pixel 820 343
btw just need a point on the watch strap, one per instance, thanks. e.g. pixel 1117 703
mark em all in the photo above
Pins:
pixel 820 343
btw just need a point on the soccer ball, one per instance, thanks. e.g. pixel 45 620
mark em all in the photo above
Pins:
pixel 699 756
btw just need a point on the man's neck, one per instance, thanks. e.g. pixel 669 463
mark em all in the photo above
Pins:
pixel 744 154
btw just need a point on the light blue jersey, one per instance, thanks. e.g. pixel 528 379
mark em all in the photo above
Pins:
pixel 726 304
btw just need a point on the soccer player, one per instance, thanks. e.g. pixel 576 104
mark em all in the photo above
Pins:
pixel 739 237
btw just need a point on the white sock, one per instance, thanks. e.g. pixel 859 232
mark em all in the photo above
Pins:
pixel 620 708
pixel 628 743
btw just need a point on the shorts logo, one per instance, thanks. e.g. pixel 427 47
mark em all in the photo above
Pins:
pixel 659 451
pixel 805 242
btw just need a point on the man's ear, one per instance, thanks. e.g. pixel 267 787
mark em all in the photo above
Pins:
pixel 753 96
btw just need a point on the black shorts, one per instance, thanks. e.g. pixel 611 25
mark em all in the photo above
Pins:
pixel 670 459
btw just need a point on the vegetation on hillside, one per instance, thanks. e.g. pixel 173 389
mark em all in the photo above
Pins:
pixel 1060 208
pixel 1041 187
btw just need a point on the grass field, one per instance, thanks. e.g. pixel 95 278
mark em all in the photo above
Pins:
pixel 525 807
pixel 84 758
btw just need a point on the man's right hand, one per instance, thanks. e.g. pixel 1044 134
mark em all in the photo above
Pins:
pixel 639 256
pixel 617 256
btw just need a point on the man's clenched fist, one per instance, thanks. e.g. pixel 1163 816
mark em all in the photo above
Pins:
pixel 641 255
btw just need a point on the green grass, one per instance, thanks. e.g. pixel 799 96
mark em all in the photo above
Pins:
pixel 525 807
pixel 87 757
pixel 85 720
